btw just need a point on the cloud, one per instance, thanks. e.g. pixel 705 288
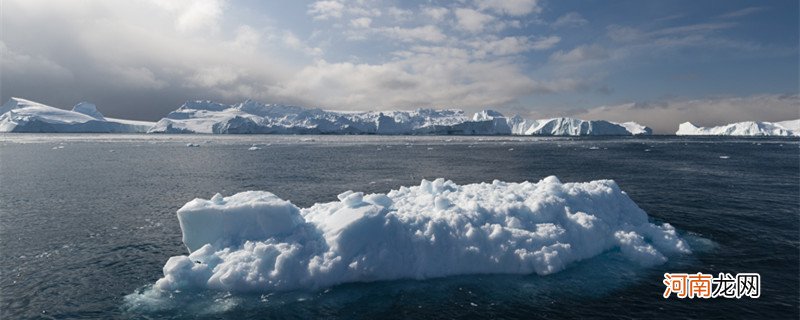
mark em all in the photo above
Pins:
pixel 472 20
pixel 290 40
pixel 664 116
pixel 670 17
pixel 323 10
pixel 579 54
pixel 211 77
pixel 693 29
pixel 191 16
pixel 246 38
pixel 17 64
pixel 510 7
pixel 619 33
pixel 135 59
pixel 545 43
pixel 141 59
pixel 432 78
pixel 742 12
pixel 436 13
pixel 669 41
pixel 625 34
pixel 399 14
pixel 425 33
pixel 512 45
pixel 689 43
pixel 135 77
pixel 571 19
pixel 363 22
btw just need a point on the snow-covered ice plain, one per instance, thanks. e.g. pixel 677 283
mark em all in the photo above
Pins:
pixel 87 232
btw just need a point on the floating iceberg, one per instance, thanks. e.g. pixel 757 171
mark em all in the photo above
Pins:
pixel 636 129
pixel 748 128
pixel 577 127
pixel 20 115
pixel 255 241
pixel 254 117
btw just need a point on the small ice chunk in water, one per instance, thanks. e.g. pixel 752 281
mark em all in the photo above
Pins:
pixel 192 144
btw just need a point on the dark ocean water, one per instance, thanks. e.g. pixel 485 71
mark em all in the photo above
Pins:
pixel 86 220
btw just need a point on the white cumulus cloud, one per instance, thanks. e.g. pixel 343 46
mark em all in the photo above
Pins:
pixel 571 19
pixel 511 7
pixel 472 20
pixel 322 10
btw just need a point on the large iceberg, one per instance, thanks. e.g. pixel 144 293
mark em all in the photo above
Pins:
pixel 254 117
pixel 748 128
pixel 20 115
pixel 577 127
pixel 255 241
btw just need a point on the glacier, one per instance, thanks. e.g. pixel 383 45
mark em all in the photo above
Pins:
pixel 20 115
pixel 254 241
pixel 790 128
pixel 254 117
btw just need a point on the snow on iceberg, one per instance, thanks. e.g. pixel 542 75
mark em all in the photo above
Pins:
pixel 748 128
pixel 20 115
pixel 577 127
pixel 255 241
pixel 254 117
pixel 636 129
pixel 88 109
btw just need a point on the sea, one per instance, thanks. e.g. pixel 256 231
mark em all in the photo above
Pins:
pixel 87 222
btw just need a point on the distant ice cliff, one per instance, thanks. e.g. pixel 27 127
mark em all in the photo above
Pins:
pixel 254 117
pixel 20 115
pixel 748 128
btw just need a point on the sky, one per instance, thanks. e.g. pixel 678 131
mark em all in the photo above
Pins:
pixel 659 63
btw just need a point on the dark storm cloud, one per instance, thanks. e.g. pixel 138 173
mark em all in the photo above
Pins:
pixel 136 60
